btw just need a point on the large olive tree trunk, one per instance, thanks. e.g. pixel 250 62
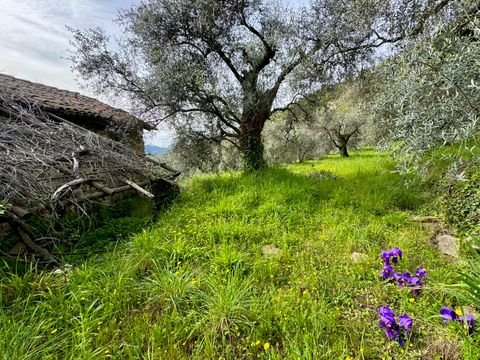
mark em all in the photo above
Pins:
pixel 256 111
pixel 252 147
pixel 343 150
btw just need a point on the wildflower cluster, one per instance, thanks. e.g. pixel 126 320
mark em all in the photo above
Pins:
pixel 412 281
pixel 398 331
pixel 449 314
pixel 393 330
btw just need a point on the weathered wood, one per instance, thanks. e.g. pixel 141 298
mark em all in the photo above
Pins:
pixel 103 188
pixel 175 174
pixel 58 192
pixel 67 202
pixel 76 165
pixel 139 188
pixel 20 212
pixel 26 236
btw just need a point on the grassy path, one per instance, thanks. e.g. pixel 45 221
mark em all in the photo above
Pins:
pixel 196 285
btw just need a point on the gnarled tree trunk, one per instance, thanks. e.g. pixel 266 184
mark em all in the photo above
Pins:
pixel 256 111
pixel 251 146
pixel 343 150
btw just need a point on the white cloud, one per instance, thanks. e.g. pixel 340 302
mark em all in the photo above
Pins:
pixel 34 41
pixel 34 35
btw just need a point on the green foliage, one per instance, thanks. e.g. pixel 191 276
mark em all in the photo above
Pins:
pixel 196 284
pixel 470 291
pixel 462 202
pixel 428 92
pixel 191 154
pixel 289 140
pixel 97 229
pixel 3 207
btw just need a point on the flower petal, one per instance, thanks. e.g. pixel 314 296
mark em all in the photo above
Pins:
pixel 448 314
pixel 405 321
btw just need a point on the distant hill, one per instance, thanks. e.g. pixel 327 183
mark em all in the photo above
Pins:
pixel 155 150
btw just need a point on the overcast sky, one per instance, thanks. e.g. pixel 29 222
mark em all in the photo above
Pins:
pixel 34 40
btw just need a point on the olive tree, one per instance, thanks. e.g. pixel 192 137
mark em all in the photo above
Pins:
pixel 289 140
pixel 191 154
pixel 222 68
pixel 429 94
pixel 343 114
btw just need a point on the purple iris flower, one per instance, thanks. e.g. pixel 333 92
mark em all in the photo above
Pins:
pixel 415 281
pixel 412 281
pixel 469 321
pixel 448 314
pixel 392 329
pixel 406 277
pixel 398 277
pixel 387 272
pixel 421 272
pixel 393 254
pixel 406 322
pixel 387 316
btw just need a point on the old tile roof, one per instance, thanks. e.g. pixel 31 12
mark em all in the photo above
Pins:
pixel 66 102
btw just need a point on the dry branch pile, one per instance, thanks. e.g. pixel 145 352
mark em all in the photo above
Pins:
pixel 48 164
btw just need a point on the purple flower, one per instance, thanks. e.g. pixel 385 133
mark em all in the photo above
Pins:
pixel 398 277
pixel 396 253
pixel 416 284
pixel 421 272
pixel 393 254
pixel 387 272
pixel 392 329
pixel 405 279
pixel 415 281
pixel 387 316
pixel 469 321
pixel 406 322
pixel 448 314
pixel 412 281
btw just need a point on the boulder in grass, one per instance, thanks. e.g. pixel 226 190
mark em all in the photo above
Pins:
pixel 358 257
pixel 448 245
pixel 271 250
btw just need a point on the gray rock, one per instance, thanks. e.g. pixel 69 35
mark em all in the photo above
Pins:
pixel 271 250
pixel 358 257
pixel 448 245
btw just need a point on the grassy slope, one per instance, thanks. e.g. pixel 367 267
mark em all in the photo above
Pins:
pixel 197 286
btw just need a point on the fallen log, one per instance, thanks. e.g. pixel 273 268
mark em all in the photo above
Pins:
pixel 139 188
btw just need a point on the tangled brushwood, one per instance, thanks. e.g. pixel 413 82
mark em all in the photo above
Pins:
pixel 49 164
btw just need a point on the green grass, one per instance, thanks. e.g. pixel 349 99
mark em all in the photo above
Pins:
pixel 196 286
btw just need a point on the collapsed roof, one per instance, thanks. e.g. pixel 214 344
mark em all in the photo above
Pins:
pixel 65 103
pixel 49 163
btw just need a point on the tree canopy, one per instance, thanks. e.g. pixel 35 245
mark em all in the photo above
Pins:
pixel 428 95
pixel 220 69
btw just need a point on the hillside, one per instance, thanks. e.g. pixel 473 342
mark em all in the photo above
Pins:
pixel 155 150
pixel 250 266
